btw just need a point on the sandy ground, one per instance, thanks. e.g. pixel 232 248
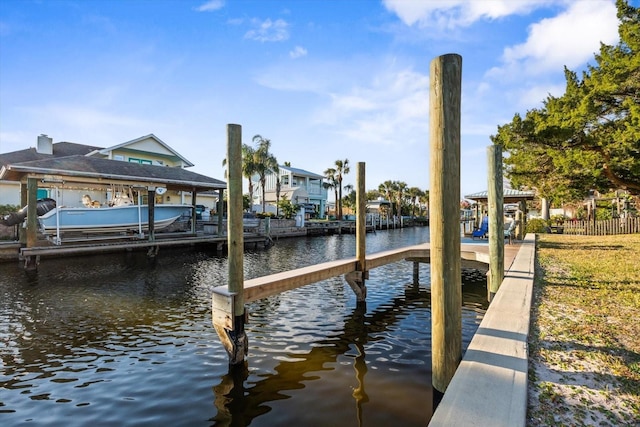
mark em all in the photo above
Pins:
pixel 571 384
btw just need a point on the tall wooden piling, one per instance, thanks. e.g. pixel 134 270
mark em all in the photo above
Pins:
pixel 151 205
pixel 32 213
pixel 444 220
pixel 361 212
pixel 228 313
pixel 356 279
pixel 495 199
pixel 220 210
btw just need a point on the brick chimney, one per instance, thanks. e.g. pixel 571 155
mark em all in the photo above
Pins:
pixel 45 145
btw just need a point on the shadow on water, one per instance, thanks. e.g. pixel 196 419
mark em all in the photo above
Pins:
pixel 240 401
pixel 118 340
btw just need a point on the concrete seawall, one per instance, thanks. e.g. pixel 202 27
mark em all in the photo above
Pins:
pixel 489 387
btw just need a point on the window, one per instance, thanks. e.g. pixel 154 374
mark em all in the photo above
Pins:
pixel 118 157
pixel 141 161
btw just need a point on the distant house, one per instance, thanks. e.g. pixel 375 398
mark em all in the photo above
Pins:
pixel 301 187
pixel 147 159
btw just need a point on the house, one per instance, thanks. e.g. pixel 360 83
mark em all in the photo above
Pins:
pixel 147 160
pixel 301 187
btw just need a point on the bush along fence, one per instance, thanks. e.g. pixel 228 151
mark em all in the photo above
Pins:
pixel 600 227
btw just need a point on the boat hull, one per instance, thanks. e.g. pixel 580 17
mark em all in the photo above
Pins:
pixel 109 220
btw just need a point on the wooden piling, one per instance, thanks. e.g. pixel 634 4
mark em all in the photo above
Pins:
pixel 32 212
pixel 24 201
pixel 361 212
pixel 495 199
pixel 228 307
pixel 356 279
pixel 220 211
pixel 151 205
pixel 31 263
pixel 194 215
pixel 444 220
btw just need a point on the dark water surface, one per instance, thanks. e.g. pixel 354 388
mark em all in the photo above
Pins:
pixel 115 340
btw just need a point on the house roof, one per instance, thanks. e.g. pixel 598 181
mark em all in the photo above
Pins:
pixel 301 172
pixel 105 151
pixel 82 169
pixel 60 149
pixel 509 196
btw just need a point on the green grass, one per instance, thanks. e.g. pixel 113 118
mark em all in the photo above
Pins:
pixel 585 332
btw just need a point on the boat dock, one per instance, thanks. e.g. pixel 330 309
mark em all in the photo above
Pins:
pixel 471 254
pixel 90 245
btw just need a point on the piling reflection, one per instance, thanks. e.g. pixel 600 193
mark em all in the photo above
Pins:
pixel 360 364
pixel 107 340
pixel 239 401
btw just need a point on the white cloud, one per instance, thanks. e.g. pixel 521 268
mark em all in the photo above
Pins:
pixel 571 38
pixel 268 30
pixel 391 109
pixel 456 13
pixel 210 6
pixel 298 52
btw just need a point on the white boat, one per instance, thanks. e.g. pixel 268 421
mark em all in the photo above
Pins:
pixel 109 219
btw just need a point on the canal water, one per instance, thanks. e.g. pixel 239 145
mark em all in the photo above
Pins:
pixel 116 339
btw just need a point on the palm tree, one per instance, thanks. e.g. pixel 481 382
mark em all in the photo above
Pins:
pixel 414 194
pixel 387 190
pixel 424 202
pixel 342 168
pixel 278 188
pixel 265 162
pixel 349 200
pixel 330 183
pixel 401 188
pixel 248 168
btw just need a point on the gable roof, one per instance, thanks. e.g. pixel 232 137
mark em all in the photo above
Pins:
pixel 82 169
pixel 105 151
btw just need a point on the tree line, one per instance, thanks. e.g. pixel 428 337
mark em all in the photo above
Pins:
pixel 259 160
pixel 589 138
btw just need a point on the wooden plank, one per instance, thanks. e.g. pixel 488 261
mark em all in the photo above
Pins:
pixel 396 255
pixel 263 287
pixel 222 313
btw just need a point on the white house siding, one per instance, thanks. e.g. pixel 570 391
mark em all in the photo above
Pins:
pixel 9 193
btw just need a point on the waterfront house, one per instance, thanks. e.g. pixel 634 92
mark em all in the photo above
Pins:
pixel 149 150
pixel 301 187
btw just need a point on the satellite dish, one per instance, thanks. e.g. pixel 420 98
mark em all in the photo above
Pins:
pixel 161 190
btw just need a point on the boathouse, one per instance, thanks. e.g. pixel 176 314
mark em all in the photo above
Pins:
pixel 65 172
pixel 145 150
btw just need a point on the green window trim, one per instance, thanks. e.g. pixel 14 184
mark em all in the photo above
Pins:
pixel 140 161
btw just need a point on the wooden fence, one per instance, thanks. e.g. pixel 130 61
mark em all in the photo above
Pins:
pixel 602 227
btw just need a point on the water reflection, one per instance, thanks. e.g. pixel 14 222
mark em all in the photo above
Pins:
pixel 116 340
pixel 366 339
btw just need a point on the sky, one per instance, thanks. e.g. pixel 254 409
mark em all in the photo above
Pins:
pixel 322 80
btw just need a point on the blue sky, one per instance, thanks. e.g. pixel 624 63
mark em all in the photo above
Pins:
pixel 323 80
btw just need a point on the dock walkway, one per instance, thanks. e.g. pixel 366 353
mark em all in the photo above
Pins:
pixel 262 287
pixel 489 387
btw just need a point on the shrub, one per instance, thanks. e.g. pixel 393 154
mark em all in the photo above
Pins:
pixel 537 225
pixel 7 209
pixel 265 215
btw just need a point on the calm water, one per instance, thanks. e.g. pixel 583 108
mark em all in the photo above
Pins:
pixel 117 340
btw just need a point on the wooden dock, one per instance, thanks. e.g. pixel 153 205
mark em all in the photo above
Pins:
pixel 262 287
pixel 123 244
